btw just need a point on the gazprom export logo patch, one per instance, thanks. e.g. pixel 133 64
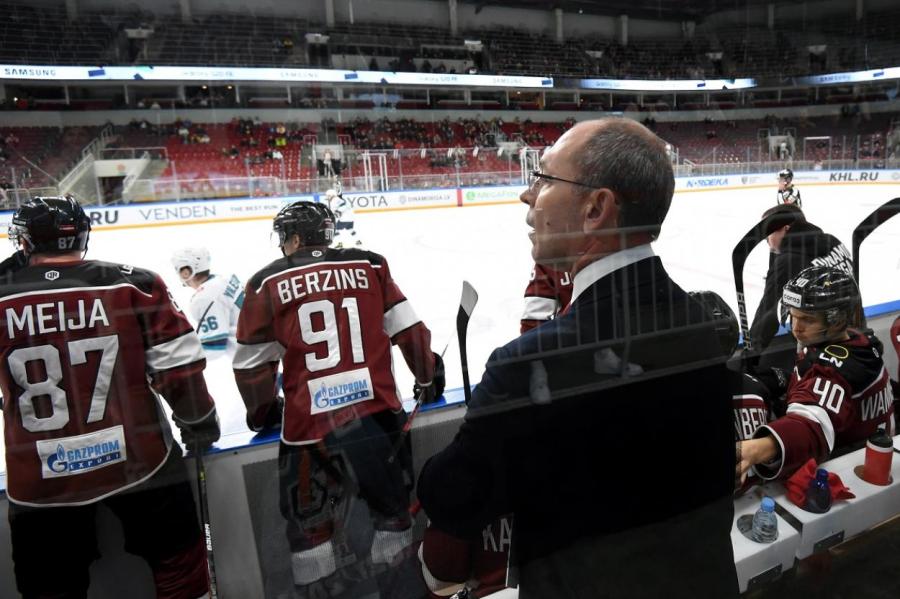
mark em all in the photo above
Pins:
pixel 84 453
pixel 338 390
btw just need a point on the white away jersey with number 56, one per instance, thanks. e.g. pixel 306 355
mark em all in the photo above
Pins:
pixel 215 308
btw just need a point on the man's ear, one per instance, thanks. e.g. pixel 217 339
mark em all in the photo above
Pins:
pixel 601 210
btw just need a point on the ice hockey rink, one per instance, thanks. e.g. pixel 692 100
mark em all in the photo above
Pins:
pixel 431 251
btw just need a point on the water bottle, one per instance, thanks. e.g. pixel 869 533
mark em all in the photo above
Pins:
pixel 818 494
pixel 765 525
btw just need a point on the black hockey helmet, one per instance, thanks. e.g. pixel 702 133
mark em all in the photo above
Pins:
pixel 312 221
pixel 786 173
pixel 51 225
pixel 726 323
pixel 825 289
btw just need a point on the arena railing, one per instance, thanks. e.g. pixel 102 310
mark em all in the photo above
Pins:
pixel 12 199
pixel 153 190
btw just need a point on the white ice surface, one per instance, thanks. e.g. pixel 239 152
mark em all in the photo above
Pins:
pixel 430 252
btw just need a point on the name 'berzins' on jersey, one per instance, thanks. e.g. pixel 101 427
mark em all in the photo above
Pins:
pixel 838 396
pixel 750 401
pixel 78 342
pixel 330 316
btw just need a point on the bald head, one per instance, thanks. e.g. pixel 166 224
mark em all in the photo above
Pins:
pixel 626 157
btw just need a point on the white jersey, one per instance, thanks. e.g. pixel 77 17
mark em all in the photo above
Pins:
pixel 215 307
pixel 342 208
pixel 344 231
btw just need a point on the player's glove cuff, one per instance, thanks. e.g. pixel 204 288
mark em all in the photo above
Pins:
pixel 202 433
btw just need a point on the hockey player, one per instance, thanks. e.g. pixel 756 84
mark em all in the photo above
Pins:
pixel 216 301
pixel 466 568
pixel 837 395
pixel 85 348
pixel 547 294
pixel 331 315
pixel 344 224
pixel 795 244
pixel 787 193
pixel 895 339
pixel 895 384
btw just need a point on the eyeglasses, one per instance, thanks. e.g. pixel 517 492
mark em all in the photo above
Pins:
pixel 536 180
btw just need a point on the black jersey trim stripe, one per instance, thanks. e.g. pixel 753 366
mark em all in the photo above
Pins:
pixel 45 292
pixel 881 374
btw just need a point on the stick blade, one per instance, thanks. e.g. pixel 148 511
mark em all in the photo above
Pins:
pixel 869 224
pixel 469 298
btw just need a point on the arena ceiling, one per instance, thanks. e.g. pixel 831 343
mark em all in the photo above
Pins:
pixel 676 10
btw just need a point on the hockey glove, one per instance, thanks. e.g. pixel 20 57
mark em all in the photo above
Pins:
pixel 203 432
pixel 272 418
pixel 435 389
pixel 776 381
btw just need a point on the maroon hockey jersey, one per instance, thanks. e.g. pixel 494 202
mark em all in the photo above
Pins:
pixel 547 294
pixel 750 403
pixel 330 316
pixel 478 564
pixel 78 342
pixel 838 395
pixel 895 339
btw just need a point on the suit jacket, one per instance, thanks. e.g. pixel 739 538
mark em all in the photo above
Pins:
pixel 577 426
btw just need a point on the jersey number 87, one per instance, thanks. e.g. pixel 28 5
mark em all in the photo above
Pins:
pixel 49 355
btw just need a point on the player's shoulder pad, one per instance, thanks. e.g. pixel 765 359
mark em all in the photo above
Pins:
pixel 272 268
pixel 749 384
pixel 852 358
pixel 354 254
pixel 113 273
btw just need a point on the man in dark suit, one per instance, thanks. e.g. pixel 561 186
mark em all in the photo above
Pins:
pixel 567 427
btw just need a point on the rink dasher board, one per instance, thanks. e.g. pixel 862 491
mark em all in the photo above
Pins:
pixel 238 551
pixel 154 214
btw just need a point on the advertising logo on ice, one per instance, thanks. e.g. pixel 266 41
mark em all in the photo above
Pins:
pixel 76 455
pixel 338 390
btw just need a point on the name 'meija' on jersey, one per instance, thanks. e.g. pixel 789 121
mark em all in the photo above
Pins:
pixel 85 347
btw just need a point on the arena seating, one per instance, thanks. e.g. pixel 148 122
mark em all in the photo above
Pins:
pixel 35 156
pixel 417 154
pixel 44 36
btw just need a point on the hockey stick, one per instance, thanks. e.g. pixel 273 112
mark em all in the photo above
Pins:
pixel 205 520
pixel 738 258
pixel 869 224
pixel 407 426
pixel 205 312
pixel 466 307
